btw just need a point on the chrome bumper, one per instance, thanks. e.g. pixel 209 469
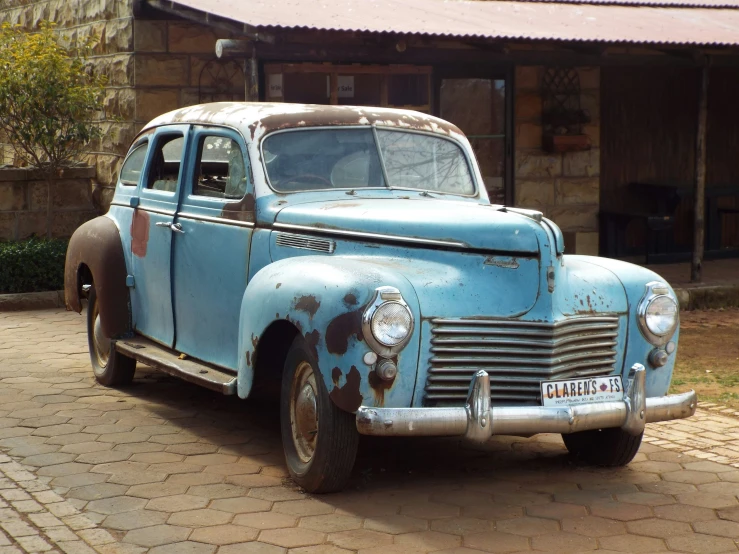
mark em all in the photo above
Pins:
pixel 478 420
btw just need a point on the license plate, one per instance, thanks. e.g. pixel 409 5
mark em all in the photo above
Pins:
pixel 571 392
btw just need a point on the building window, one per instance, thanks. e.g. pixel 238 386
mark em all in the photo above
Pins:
pixel 397 86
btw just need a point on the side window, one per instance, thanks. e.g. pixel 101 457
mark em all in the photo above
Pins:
pixel 134 164
pixel 166 161
pixel 220 171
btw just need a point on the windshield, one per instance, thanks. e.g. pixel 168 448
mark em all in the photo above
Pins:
pixel 317 159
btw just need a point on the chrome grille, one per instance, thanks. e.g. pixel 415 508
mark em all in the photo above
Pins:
pixel 306 242
pixel 517 355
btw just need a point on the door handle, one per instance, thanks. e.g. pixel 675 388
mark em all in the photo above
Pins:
pixel 175 227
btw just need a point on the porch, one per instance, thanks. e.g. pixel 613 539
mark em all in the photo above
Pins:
pixel 719 288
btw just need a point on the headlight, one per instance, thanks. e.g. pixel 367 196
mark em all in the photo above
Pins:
pixel 658 314
pixel 387 323
pixel 661 315
pixel 391 324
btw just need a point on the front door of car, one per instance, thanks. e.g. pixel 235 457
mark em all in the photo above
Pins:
pixel 152 232
pixel 211 254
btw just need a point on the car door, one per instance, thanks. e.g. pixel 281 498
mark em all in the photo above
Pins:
pixel 152 229
pixel 211 255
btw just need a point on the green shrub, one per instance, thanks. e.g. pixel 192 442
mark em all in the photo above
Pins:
pixel 32 265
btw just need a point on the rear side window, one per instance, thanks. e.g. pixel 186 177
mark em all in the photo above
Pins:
pixel 134 164
pixel 164 173
pixel 220 171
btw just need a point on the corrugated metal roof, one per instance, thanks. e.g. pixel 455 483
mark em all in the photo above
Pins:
pixel 716 4
pixel 495 19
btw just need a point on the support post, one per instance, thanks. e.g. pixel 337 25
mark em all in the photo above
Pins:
pixel 699 224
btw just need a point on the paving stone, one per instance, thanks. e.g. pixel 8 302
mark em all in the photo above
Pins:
pixel 307 507
pixel 177 503
pixel 200 518
pixel 593 526
pixel 659 528
pixel 157 535
pixel 251 548
pixel 116 505
pixel 633 544
pixel 186 547
pixel 707 500
pixel 620 511
pixel 495 541
pixel 97 491
pixel 292 538
pixel 721 528
pixel 265 520
pixel 701 544
pixel 126 521
pixel 241 505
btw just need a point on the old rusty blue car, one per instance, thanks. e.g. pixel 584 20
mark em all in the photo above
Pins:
pixel 351 255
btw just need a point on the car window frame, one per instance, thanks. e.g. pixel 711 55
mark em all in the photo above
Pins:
pixel 199 132
pixel 135 146
pixel 374 128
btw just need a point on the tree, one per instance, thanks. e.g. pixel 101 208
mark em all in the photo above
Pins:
pixel 48 98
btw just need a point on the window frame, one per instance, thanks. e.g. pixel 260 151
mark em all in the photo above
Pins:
pixel 373 128
pixel 159 138
pixel 498 72
pixel 139 144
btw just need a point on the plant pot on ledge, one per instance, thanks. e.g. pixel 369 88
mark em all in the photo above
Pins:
pixel 565 143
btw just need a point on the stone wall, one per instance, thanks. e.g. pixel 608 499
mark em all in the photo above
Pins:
pixel 23 201
pixel 151 67
pixel 565 186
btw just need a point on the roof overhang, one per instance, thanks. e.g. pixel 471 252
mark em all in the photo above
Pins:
pixel 695 23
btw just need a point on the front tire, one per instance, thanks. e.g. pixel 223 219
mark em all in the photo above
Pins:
pixel 320 440
pixel 611 447
pixel 111 368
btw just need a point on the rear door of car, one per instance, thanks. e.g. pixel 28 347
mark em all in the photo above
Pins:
pixel 211 253
pixel 152 231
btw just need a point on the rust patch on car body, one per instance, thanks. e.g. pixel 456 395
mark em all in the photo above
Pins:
pixel 140 233
pixel 340 330
pixel 254 341
pixel 248 358
pixel 350 300
pixel 348 397
pixel 336 376
pixel 243 210
pixel 379 386
pixel 307 304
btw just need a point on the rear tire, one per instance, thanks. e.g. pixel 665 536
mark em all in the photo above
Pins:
pixel 320 440
pixel 611 447
pixel 111 368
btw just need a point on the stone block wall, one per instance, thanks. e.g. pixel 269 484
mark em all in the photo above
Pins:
pixel 565 186
pixel 23 201
pixel 151 67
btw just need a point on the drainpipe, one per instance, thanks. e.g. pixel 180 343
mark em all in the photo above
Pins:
pixel 699 224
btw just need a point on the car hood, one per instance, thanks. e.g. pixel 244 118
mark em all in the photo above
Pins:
pixel 436 222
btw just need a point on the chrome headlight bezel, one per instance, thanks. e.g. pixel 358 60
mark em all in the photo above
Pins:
pixel 385 295
pixel 655 290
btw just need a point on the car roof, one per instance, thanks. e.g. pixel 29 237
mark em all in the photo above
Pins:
pixel 255 119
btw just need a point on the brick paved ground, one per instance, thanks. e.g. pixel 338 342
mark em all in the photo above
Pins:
pixel 165 467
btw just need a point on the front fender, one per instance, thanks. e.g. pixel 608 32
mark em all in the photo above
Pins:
pixel 324 298
pixel 634 279
pixel 97 245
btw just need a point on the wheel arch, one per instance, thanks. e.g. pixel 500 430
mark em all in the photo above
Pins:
pixel 95 253
pixel 323 299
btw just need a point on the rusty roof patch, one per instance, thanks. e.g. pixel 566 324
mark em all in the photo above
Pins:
pixel 706 22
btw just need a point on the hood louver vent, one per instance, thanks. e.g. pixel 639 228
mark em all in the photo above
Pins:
pixel 306 242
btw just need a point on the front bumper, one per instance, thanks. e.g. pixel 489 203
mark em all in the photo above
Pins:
pixel 478 420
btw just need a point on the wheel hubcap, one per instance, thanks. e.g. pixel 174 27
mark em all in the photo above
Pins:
pixel 303 412
pixel 101 342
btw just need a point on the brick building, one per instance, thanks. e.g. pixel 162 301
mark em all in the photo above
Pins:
pixel 584 109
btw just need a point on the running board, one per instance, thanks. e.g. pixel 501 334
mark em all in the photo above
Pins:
pixel 168 361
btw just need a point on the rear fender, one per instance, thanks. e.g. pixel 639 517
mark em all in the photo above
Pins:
pixel 325 298
pixel 97 245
